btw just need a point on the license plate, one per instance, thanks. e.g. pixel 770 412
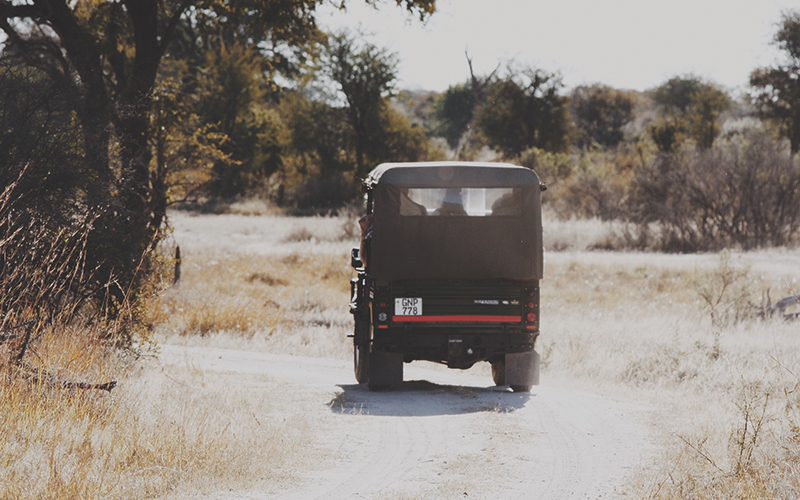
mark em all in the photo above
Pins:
pixel 408 307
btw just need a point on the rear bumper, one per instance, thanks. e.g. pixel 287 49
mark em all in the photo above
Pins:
pixel 458 347
pixel 463 318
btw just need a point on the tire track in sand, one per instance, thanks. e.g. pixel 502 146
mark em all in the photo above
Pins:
pixel 445 431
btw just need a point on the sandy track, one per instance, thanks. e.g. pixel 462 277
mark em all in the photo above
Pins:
pixel 445 434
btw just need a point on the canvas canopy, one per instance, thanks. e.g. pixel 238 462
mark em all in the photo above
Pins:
pixel 455 220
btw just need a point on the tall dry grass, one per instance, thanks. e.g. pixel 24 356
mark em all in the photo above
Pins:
pixel 162 429
pixel 81 418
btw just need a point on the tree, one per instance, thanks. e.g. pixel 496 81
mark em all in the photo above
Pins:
pixel 401 140
pixel 675 96
pixel 708 103
pixel 234 95
pixel 320 136
pixel 39 135
pixel 693 104
pixel 775 91
pixel 185 148
pixel 336 137
pixel 365 76
pixel 454 111
pixel 600 113
pixel 108 55
pixel 525 110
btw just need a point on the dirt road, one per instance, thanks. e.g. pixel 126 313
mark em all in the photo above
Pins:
pixel 445 434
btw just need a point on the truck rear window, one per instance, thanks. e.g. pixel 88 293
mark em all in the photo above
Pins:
pixel 465 202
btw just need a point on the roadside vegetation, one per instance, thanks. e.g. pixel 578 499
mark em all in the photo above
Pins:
pixel 695 338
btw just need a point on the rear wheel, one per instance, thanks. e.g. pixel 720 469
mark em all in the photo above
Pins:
pixel 499 372
pixel 361 363
pixel 522 370
pixel 361 346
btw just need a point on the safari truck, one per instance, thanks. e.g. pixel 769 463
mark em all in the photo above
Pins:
pixel 448 271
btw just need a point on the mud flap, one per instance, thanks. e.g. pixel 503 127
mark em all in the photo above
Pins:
pixel 522 369
pixel 385 370
pixel 455 351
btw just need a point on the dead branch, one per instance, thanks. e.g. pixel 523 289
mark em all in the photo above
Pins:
pixel 36 376
pixel 177 277
pixel 700 452
pixel 11 336
pixel 4 337
pixel 479 85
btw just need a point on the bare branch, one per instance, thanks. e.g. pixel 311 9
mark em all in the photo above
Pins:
pixel 169 32
pixel 700 452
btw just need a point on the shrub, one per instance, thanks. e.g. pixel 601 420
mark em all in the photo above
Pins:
pixel 315 193
pixel 744 192
pixel 726 293
pixel 43 273
pixel 593 184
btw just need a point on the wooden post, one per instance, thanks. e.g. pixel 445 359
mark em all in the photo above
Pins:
pixel 177 264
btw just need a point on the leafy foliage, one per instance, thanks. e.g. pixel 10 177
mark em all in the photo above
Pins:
pixel 775 91
pixel 186 149
pixel 234 92
pixel 668 133
pixel 691 108
pixel 320 135
pixel 600 113
pixel 525 110
pixel 364 75
pixel 454 111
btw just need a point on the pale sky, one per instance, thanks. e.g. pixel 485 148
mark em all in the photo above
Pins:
pixel 631 44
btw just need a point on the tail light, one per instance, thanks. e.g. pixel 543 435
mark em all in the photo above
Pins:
pixel 380 305
pixel 531 313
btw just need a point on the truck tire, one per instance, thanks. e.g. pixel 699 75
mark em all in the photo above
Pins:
pixel 361 342
pixel 522 370
pixel 361 363
pixel 499 371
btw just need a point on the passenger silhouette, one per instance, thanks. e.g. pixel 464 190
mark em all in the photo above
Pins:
pixel 452 203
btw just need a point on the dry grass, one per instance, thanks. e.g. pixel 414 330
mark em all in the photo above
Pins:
pixel 161 429
pixel 283 303
pixel 169 429
pixel 578 234
pixel 726 391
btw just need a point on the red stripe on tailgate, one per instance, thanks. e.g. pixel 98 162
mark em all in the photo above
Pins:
pixel 457 319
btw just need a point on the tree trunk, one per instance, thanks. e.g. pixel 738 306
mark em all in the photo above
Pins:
pixel 794 131
pixel 128 225
pixel 94 108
